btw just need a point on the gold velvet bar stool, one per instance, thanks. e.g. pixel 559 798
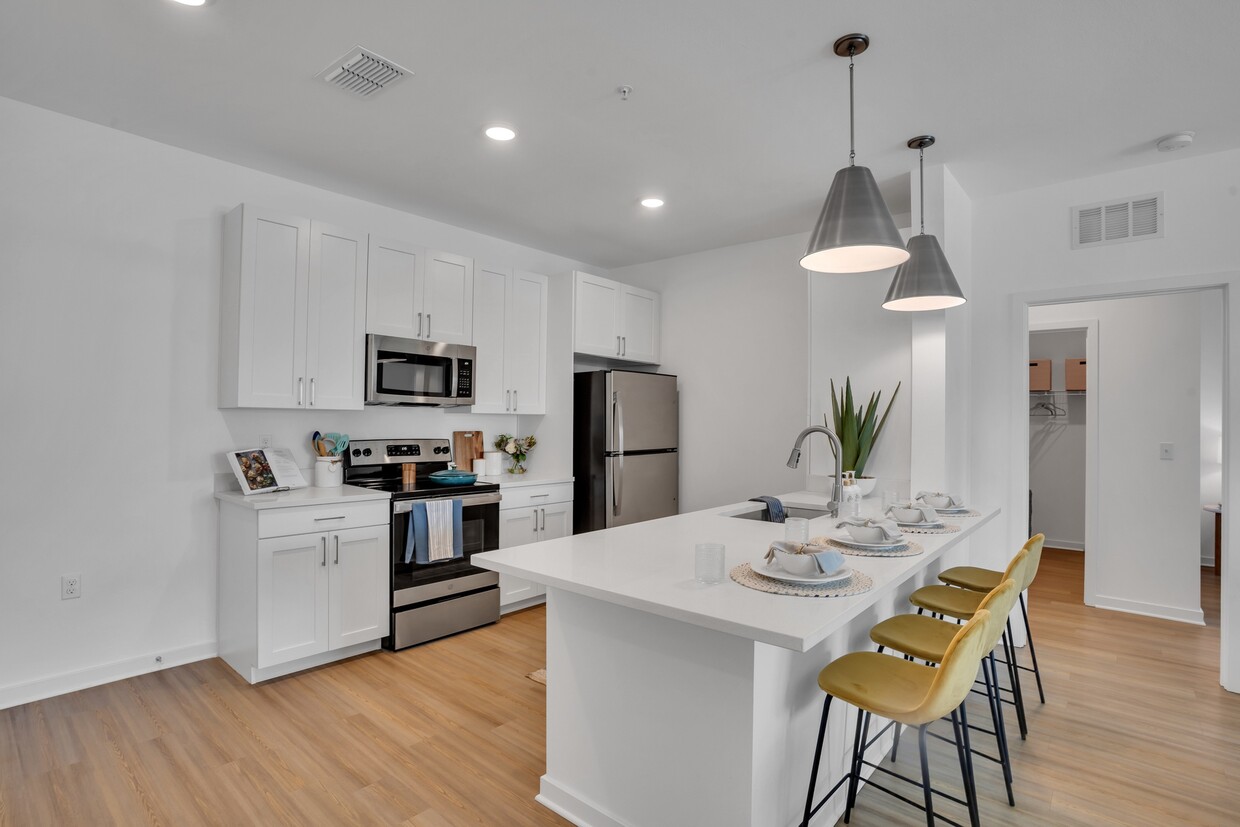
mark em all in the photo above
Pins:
pixel 950 601
pixel 983 580
pixel 927 638
pixel 905 693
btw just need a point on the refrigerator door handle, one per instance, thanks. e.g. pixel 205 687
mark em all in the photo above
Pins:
pixel 617 498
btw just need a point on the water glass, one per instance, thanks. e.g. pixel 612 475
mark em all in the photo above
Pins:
pixel 708 562
pixel 796 530
pixel 890 498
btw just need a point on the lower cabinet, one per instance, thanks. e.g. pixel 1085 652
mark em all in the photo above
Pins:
pixel 294 601
pixel 531 514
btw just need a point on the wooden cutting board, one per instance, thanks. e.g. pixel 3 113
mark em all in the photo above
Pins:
pixel 467 446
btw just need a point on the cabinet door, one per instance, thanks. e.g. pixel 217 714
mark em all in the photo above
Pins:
pixel 271 353
pixel 639 330
pixel 492 288
pixel 394 276
pixel 292 598
pixel 336 333
pixel 449 299
pixel 525 362
pixel 596 316
pixel 555 521
pixel 518 526
pixel 360 592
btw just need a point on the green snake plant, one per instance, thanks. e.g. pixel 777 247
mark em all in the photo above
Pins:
pixel 857 428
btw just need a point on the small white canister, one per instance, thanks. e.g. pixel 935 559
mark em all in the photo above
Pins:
pixel 328 472
pixel 495 463
pixel 480 467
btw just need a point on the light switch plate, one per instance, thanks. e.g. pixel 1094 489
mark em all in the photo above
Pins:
pixel 1166 450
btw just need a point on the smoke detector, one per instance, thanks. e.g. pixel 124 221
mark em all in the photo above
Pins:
pixel 1174 141
pixel 363 73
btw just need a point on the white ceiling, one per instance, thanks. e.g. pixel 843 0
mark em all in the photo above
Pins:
pixel 738 116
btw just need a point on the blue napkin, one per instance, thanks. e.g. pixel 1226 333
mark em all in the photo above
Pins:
pixel 829 562
pixel 418 544
pixel 774 508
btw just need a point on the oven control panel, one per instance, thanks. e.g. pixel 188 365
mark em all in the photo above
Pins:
pixel 392 451
pixel 414 450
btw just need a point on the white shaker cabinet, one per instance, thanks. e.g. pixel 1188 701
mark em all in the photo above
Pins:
pixel 530 514
pixel 302 586
pixel 615 321
pixel 292 313
pixel 510 333
pixel 415 293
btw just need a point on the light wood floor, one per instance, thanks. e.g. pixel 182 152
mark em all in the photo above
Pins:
pixel 1135 731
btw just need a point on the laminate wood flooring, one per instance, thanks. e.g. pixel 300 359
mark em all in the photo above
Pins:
pixel 1135 731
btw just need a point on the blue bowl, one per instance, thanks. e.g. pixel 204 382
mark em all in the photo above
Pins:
pixel 453 477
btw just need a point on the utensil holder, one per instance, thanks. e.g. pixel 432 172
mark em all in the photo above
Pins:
pixel 328 472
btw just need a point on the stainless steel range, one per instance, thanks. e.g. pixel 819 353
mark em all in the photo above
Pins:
pixel 430 599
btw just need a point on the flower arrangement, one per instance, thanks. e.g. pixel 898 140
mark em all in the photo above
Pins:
pixel 516 447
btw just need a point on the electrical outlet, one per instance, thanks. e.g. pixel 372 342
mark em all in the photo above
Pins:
pixel 265 441
pixel 70 586
pixel 1166 450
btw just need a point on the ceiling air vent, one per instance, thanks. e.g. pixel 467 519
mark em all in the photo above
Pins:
pixel 363 73
pixel 1134 219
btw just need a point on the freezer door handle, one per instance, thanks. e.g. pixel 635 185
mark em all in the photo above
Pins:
pixel 617 481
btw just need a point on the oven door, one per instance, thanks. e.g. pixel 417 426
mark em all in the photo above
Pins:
pixel 413 582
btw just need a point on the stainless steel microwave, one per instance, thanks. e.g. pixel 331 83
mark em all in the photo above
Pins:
pixel 416 372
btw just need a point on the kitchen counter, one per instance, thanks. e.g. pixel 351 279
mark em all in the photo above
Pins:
pixel 302 496
pixel 670 702
pixel 529 478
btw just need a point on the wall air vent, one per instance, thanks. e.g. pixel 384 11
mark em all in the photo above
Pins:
pixel 363 73
pixel 1134 219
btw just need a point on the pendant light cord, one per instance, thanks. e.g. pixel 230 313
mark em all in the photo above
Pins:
pixel 852 128
pixel 921 175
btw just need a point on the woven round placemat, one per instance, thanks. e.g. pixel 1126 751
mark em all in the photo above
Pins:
pixel 859 583
pixel 911 549
pixel 946 528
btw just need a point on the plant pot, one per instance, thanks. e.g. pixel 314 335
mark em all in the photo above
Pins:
pixel 865 485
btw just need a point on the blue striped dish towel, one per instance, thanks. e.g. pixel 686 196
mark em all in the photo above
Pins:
pixel 774 508
pixel 423 546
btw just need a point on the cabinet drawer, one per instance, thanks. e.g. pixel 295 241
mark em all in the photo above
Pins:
pixel 526 496
pixel 280 522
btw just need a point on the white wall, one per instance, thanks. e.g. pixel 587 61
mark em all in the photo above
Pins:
pixel 1057 444
pixel 110 252
pixel 1211 415
pixel 1022 254
pixel 1147 383
pixel 735 332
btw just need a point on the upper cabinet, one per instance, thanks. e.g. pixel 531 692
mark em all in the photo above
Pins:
pixel 615 321
pixel 417 293
pixel 510 333
pixel 292 313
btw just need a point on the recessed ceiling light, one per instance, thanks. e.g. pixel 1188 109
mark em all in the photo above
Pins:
pixel 191 2
pixel 1177 140
pixel 499 132
pixel 652 203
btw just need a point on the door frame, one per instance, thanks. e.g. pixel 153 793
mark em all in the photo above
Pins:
pixel 1018 396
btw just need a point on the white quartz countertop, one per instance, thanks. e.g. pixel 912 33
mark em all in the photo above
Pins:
pixel 303 496
pixel 528 478
pixel 649 566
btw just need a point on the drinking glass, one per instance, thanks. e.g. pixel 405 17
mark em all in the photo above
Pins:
pixel 796 530
pixel 708 562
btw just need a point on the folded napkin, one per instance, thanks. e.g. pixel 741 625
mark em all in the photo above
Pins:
pixel 827 559
pixel 890 530
pixel 954 501
pixel 928 514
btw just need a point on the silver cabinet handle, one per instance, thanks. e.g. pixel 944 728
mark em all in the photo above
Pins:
pixel 419 325
pixel 301 390
pixel 321 519
pixel 323 541
pixel 428 325
pixel 538 496
pixel 535 530
pixel 515 404
pixel 544 519
pixel 312 391
pixel 337 549
pixel 617 345
pixel 624 345
pixel 508 400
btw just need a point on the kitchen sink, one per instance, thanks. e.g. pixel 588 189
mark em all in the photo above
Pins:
pixel 789 511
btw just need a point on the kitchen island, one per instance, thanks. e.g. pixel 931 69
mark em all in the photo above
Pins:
pixel 671 702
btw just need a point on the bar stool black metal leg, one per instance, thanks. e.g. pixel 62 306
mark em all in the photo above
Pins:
pixel 1033 653
pixel 895 742
pixel 854 779
pixel 813 774
pixel 1009 653
pixel 965 746
pixel 925 775
pixel 991 675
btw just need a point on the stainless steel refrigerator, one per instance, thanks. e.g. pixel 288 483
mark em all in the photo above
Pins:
pixel 626 430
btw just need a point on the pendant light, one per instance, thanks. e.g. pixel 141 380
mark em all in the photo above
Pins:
pixel 855 232
pixel 925 281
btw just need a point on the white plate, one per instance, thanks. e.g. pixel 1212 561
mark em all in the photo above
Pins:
pixel 935 524
pixel 887 546
pixel 774 572
pixel 960 509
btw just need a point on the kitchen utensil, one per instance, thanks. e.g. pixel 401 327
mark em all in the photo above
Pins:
pixel 341 444
pixel 467 446
pixel 314 442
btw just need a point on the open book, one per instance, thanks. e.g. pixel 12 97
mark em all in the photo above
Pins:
pixel 260 470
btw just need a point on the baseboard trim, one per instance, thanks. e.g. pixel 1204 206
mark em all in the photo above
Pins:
pixel 40 688
pixel 569 805
pixel 1136 607
pixel 1067 545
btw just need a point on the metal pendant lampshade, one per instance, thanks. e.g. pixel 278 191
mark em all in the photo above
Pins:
pixel 925 281
pixel 855 232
